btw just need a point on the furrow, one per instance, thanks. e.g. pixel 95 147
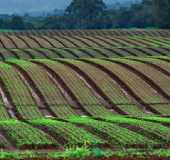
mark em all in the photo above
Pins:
pixel 28 53
pixel 49 135
pixel 61 42
pixel 153 65
pixel 8 54
pixel 99 51
pixel 93 41
pixel 7 99
pixel 42 52
pixel 104 40
pixel 59 81
pixel 14 43
pixel 52 41
pixel 36 41
pixel 82 41
pixel 91 103
pixel 141 50
pixel 140 41
pixel 8 42
pixel 115 52
pixel 26 42
pixel 127 41
pixel 157 51
pixel 153 41
pixel 123 85
pixel 142 76
pixel 8 144
pixel 166 49
pixel 14 53
pixel 35 53
pixel 65 42
pixel 47 40
pixel 109 88
pixel 2 56
pixel 3 45
pixel 49 90
pixel 117 41
pixel 56 52
pixel 65 52
pixel 149 79
pixel 95 52
pixel 42 41
pixel 38 97
pixel 131 53
pixel 162 41
pixel 86 52
pixel 71 41
pixel 71 52
pixel 95 87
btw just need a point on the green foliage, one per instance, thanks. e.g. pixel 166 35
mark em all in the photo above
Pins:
pixel 115 135
pixel 92 14
pixel 24 135
pixel 74 135
pixel 85 8
pixel 17 23
pixel 162 13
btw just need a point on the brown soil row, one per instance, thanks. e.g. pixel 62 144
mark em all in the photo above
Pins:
pixel 123 85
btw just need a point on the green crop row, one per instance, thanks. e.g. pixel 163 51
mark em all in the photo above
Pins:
pixel 135 83
pixel 50 91
pixel 83 41
pixel 72 134
pixel 113 131
pixel 19 92
pixel 155 75
pixel 115 134
pixel 70 78
pixel 3 113
pixel 23 135
pixel 153 128
pixel 84 52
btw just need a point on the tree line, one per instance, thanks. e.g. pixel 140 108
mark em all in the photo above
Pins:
pixel 94 14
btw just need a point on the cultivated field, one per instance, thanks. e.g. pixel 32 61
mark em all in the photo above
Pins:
pixel 92 94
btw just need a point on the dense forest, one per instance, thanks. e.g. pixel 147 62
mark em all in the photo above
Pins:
pixel 94 14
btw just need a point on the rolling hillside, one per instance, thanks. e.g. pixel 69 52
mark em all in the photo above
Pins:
pixel 97 91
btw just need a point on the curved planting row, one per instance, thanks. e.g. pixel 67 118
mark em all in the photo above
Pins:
pixel 113 32
pixel 110 132
pixel 74 53
pixel 107 41
pixel 95 87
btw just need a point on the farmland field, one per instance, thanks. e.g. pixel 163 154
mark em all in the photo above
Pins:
pixel 92 94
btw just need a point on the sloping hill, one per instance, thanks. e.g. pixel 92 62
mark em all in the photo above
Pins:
pixel 91 93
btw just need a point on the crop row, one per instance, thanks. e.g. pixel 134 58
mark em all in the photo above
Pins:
pixel 136 83
pixel 23 42
pixel 70 78
pixel 75 53
pixel 110 132
pixel 114 32
pixel 158 78
pixel 63 88
pixel 108 88
pixel 18 98
pixel 147 128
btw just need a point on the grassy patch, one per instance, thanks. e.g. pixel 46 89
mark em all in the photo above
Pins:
pixel 83 153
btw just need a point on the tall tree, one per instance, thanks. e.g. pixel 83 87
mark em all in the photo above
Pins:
pixel 17 23
pixel 84 13
pixel 162 13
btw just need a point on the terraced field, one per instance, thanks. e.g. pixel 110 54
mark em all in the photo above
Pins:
pixel 113 32
pixel 84 94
